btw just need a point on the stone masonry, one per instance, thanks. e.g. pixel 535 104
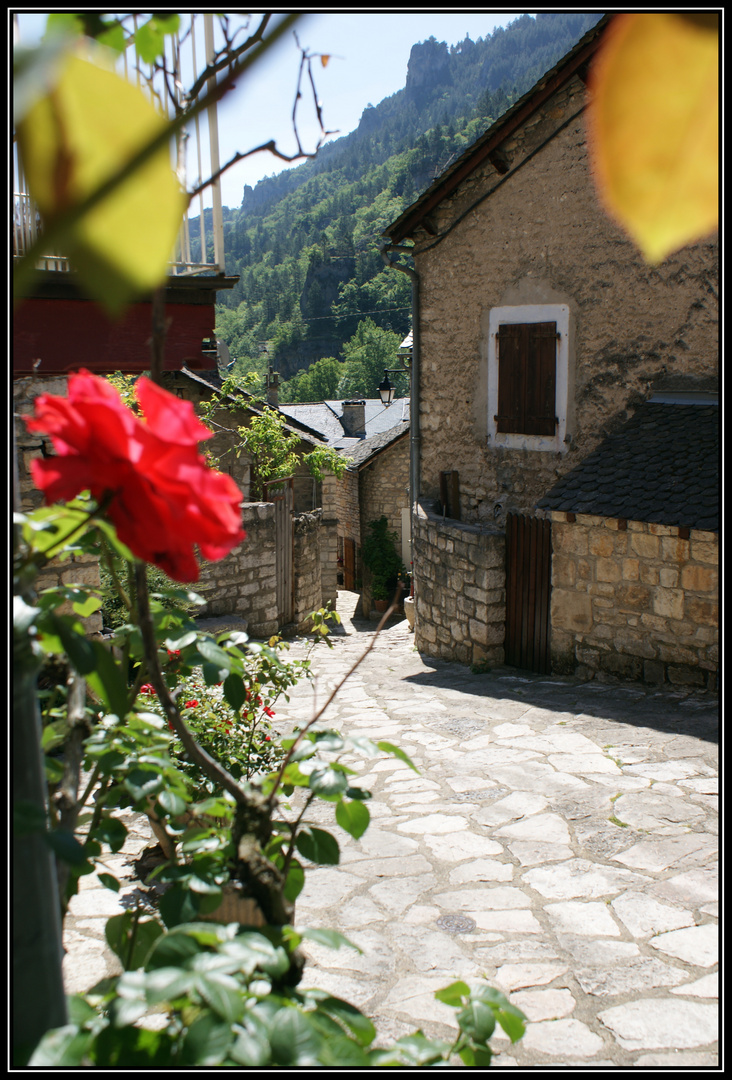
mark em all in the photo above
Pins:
pixel 460 592
pixel 245 582
pixel 307 569
pixel 540 236
pixel 635 600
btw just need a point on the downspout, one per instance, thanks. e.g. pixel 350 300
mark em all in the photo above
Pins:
pixel 415 371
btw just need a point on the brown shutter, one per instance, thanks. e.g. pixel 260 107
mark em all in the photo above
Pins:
pixel 512 346
pixel 541 378
pixel 527 378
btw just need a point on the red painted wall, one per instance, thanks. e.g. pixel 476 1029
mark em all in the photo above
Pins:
pixel 68 334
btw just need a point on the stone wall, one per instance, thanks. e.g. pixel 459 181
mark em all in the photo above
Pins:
pixel 340 499
pixel 383 484
pixel 245 582
pixel 307 569
pixel 538 235
pixel 634 600
pixel 460 588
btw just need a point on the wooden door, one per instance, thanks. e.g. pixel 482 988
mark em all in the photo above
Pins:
pixel 528 593
pixel 349 564
pixel 281 493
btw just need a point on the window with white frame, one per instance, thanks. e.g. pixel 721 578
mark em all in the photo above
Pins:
pixel 528 377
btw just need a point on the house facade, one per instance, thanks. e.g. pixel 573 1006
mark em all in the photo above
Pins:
pixel 541 331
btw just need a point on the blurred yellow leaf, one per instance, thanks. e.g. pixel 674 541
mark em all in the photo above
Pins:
pixel 82 132
pixel 324 60
pixel 654 128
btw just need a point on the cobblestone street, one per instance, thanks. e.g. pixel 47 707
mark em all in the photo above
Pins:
pixel 560 842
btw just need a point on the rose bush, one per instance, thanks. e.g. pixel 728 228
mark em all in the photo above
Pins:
pixel 158 490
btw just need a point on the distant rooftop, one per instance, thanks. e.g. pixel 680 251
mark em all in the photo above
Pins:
pixel 325 418
pixel 661 466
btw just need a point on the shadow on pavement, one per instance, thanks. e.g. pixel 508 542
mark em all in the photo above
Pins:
pixel 692 713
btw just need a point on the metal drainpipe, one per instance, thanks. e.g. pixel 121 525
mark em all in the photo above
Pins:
pixel 415 371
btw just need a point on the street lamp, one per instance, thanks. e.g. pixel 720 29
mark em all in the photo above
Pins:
pixel 386 390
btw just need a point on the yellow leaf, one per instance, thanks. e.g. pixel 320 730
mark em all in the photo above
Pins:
pixel 654 128
pixel 81 133
pixel 324 60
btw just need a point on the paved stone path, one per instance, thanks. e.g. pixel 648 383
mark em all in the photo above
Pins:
pixel 559 842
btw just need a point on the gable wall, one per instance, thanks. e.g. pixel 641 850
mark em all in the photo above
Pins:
pixel 541 237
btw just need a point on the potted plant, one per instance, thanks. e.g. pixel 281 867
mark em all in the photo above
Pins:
pixel 379 555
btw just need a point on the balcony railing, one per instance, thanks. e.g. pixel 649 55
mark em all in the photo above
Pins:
pixel 187 54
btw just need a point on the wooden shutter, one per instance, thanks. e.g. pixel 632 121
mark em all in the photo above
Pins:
pixel 527 375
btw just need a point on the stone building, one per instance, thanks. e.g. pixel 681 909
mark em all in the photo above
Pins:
pixel 381 465
pixel 541 332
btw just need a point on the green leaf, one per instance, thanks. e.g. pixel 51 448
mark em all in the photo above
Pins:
pixel 131 938
pixel 150 37
pixel 222 993
pixel 108 681
pixel 109 882
pixel 389 748
pixel 111 831
pixel 65 846
pixel 354 817
pixel 207 1041
pixel 295 881
pixel 338 1051
pixel 293 1038
pixel 453 994
pixel 77 647
pixel 213 653
pixel 61 1046
pixel 327 781
pixel 172 804
pixel 477 1020
pixel 86 605
pixel 513 1022
pixel 331 938
pixel 318 846
pixel 352 1017
pixel 251 1049
pixel 235 691
pixel 167 984
pixel 173 949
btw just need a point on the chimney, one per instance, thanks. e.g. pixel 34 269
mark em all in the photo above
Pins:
pixel 273 387
pixel 354 419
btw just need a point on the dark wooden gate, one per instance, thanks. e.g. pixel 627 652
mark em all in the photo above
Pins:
pixel 349 564
pixel 528 592
pixel 281 493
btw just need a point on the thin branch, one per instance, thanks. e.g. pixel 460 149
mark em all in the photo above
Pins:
pixel 301 734
pixel 213 770
pixel 56 228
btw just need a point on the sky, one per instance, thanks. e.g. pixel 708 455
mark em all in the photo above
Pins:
pixel 368 55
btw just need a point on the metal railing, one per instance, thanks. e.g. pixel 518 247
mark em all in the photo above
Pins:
pixel 187 54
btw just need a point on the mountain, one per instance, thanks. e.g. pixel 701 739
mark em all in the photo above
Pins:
pixel 305 242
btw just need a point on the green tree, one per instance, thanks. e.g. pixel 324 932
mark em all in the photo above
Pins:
pixel 369 352
pixel 319 383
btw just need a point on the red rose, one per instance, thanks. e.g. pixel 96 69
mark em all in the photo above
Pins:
pixel 191 704
pixel 147 688
pixel 164 497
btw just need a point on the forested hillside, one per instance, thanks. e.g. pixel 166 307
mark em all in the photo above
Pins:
pixel 312 282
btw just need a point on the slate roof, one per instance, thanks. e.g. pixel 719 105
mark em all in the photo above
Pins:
pixel 364 449
pixel 324 417
pixel 661 466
